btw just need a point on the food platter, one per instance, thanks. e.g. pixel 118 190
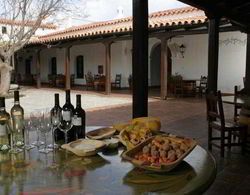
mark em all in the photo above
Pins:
pixel 138 158
pixel 84 147
pixel 101 133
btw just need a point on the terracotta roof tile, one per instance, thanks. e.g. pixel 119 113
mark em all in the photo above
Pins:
pixel 172 17
pixel 27 23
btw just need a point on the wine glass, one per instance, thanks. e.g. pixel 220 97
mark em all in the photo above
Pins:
pixel 55 117
pixel 36 118
pixel 27 129
pixel 65 126
pixel 45 128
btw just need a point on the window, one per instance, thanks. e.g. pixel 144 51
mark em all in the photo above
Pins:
pixel 53 66
pixel 79 67
pixel 27 66
pixel 4 30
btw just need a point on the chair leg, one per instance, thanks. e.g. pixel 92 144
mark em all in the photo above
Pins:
pixel 222 143
pixel 209 138
pixel 229 141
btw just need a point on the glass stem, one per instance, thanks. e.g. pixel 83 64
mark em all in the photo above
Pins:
pixel 37 132
pixel 27 137
pixel 66 137
pixel 53 137
pixel 45 141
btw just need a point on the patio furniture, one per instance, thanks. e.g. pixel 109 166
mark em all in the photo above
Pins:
pixel 63 172
pixel 52 80
pixel 178 86
pixel 28 79
pixel 89 80
pixel 201 89
pixel 117 82
pixel 216 121
pixel 72 79
pixel 189 87
pixel 60 80
pixel 100 82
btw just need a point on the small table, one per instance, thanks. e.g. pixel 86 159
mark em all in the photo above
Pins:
pixel 105 173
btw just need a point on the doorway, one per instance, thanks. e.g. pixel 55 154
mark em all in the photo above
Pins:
pixel 155 66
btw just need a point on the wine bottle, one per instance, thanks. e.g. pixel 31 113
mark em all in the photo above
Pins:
pixel 17 116
pixel 5 139
pixel 78 119
pixel 67 113
pixel 56 116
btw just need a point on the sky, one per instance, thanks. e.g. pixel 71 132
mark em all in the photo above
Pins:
pixel 102 10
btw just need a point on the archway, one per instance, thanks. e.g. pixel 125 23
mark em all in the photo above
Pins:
pixel 155 65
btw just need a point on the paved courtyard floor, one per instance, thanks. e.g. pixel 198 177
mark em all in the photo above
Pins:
pixel 185 117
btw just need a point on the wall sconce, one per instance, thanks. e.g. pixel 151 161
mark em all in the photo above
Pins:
pixel 182 50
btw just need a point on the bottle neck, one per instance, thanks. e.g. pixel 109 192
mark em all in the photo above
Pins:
pixel 68 97
pixel 16 102
pixel 78 101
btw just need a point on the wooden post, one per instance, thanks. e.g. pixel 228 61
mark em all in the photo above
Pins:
pixel 247 74
pixel 38 69
pixel 213 52
pixel 164 68
pixel 107 67
pixel 67 68
pixel 140 58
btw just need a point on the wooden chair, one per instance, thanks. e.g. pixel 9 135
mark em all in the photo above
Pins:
pixel 52 80
pixel 60 80
pixel 117 82
pixel 216 121
pixel 72 80
pixel 201 89
pixel 89 80
pixel 100 82
pixel 178 86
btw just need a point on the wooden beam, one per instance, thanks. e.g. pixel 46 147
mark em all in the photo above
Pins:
pixel 140 58
pixel 247 74
pixel 213 52
pixel 164 68
pixel 67 68
pixel 107 67
pixel 38 69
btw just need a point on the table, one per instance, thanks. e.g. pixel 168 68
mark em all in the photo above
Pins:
pixel 106 173
pixel 189 87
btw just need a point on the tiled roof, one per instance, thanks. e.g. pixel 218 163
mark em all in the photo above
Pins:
pixel 27 23
pixel 172 17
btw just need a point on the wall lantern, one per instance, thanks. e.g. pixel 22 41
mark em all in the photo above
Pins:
pixel 182 50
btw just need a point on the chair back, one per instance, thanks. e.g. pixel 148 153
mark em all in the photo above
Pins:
pixel 215 110
pixel 89 77
pixel 118 78
pixel 178 83
pixel 203 82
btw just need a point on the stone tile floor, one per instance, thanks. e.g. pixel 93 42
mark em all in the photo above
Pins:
pixel 187 117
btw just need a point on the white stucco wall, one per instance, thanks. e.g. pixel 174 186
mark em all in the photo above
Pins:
pixel 232 57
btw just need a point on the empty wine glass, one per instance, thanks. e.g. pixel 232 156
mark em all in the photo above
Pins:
pixel 55 116
pixel 27 129
pixel 36 118
pixel 45 128
pixel 65 126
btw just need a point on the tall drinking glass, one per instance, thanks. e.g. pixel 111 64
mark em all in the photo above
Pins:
pixel 45 128
pixel 36 118
pixel 27 129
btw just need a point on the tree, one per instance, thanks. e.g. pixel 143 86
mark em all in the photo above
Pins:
pixel 26 17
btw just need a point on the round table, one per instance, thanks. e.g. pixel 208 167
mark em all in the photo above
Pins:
pixel 106 173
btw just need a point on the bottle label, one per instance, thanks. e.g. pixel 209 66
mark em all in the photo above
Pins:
pixel 3 131
pixel 66 115
pixel 76 121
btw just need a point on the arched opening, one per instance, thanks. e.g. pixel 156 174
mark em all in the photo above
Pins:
pixel 155 66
